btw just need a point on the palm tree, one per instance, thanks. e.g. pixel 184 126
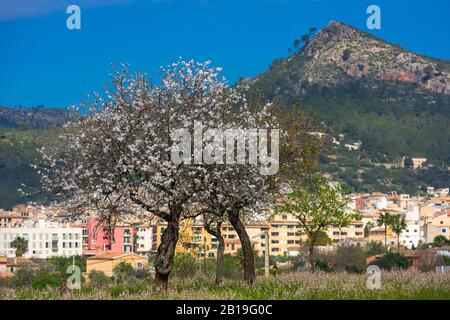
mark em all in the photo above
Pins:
pixel 384 219
pixel 398 224
pixel 21 246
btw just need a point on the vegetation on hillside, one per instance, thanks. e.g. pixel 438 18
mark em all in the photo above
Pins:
pixel 18 150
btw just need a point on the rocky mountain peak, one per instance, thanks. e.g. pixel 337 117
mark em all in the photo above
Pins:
pixel 339 51
pixel 333 33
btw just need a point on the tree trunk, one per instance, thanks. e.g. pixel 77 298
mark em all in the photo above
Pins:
pixel 398 243
pixel 311 257
pixel 219 260
pixel 216 232
pixel 247 249
pixel 385 237
pixel 166 253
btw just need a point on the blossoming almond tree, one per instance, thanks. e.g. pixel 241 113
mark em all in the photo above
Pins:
pixel 119 160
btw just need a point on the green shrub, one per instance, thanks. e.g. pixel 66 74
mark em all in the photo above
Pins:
pixel 353 269
pixel 62 263
pixel 44 278
pixel 349 257
pixel 184 265
pixel 5 282
pixel 23 277
pixel 374 247
pixel 115 291
pixel 98 279
pixel 440 241
pixel 123 272
pixel 142 274
pixel 392 261
pixel 232 268
pixel 323 266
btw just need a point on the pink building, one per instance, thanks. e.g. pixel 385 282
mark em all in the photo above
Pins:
pixel 99 239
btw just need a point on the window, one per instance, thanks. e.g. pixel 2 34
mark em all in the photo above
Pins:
pixel 284 217
pixel 444 230
pixel 275 234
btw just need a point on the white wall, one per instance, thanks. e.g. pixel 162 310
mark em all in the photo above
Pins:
pixel 144 240
pixel 411 236
pixel 41 241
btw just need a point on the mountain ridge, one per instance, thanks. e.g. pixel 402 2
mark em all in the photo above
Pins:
pixel 340 52
pixel 34 118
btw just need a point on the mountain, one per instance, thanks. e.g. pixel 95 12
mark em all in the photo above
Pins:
pixel 34 118
pixel 22 132
pixel 397 103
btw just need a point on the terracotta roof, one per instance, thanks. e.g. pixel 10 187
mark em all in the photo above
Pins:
pixel 18 262
pixel 111 255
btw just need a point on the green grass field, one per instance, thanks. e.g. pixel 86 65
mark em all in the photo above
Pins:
pixel 297 286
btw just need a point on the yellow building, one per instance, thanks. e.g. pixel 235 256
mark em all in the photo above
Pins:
pixel 255 232
pixel 354 232
pixel 285 236
pixel 106 262
pixel 377 234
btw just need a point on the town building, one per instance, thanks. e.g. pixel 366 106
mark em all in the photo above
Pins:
pixel 418 162
pixel 99 238
pixel 45 239
pixel 106 262
pixel 9 266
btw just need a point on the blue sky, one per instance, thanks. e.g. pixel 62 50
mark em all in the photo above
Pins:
pixel 42 62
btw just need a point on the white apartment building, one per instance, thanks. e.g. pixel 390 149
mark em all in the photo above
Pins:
pixel 144 240
pixel 411 236
pixel 45 239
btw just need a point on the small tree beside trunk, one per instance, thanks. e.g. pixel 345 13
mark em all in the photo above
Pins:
pixel 318 204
